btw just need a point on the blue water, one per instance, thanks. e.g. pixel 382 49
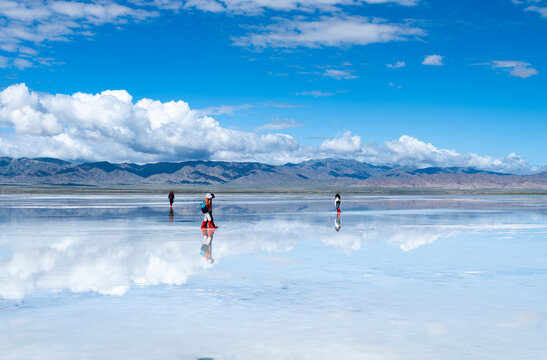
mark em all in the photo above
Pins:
pixel 116 277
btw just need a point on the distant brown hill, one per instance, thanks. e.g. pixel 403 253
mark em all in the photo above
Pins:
pixel 44 171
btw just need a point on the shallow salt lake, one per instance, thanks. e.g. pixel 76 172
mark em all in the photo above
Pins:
pixel 394 277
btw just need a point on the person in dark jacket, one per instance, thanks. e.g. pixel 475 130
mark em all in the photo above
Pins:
pixel 171 199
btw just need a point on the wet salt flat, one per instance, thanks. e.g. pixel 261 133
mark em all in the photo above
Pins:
pixel 116 277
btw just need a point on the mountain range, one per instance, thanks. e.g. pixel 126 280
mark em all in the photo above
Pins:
pixel 322 172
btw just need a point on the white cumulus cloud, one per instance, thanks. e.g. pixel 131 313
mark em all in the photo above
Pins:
pixel 407 150
pixel 112 126
pixel 346 143
pixel 433 60
pixel 412 152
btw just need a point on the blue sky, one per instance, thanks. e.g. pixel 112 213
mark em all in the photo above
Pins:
pixel 284 80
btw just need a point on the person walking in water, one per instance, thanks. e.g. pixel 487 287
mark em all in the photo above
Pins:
pixel 337 202
pixel 207 209
pixel 171 199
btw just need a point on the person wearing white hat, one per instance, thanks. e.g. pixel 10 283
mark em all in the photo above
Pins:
pixel 207 209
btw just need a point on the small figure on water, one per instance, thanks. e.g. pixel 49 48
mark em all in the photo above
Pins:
pixel 207 210
pixel 337 202
pixel 207 245
pixel 171 199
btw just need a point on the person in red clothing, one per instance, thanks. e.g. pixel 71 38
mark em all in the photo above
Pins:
pixel 171 198
pixel 207 209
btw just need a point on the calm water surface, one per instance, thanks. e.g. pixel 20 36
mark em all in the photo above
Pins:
pixel 117 277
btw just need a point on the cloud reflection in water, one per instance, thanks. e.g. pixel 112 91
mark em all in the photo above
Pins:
pixel 129 249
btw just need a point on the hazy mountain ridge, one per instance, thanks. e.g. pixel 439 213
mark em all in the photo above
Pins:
pixel 313 172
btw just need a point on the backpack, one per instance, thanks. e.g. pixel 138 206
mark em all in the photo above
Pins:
pixel 204 208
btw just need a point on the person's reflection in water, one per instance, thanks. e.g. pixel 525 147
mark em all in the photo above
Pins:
pixel 171 215
pixel 337 223
pixel 207 245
